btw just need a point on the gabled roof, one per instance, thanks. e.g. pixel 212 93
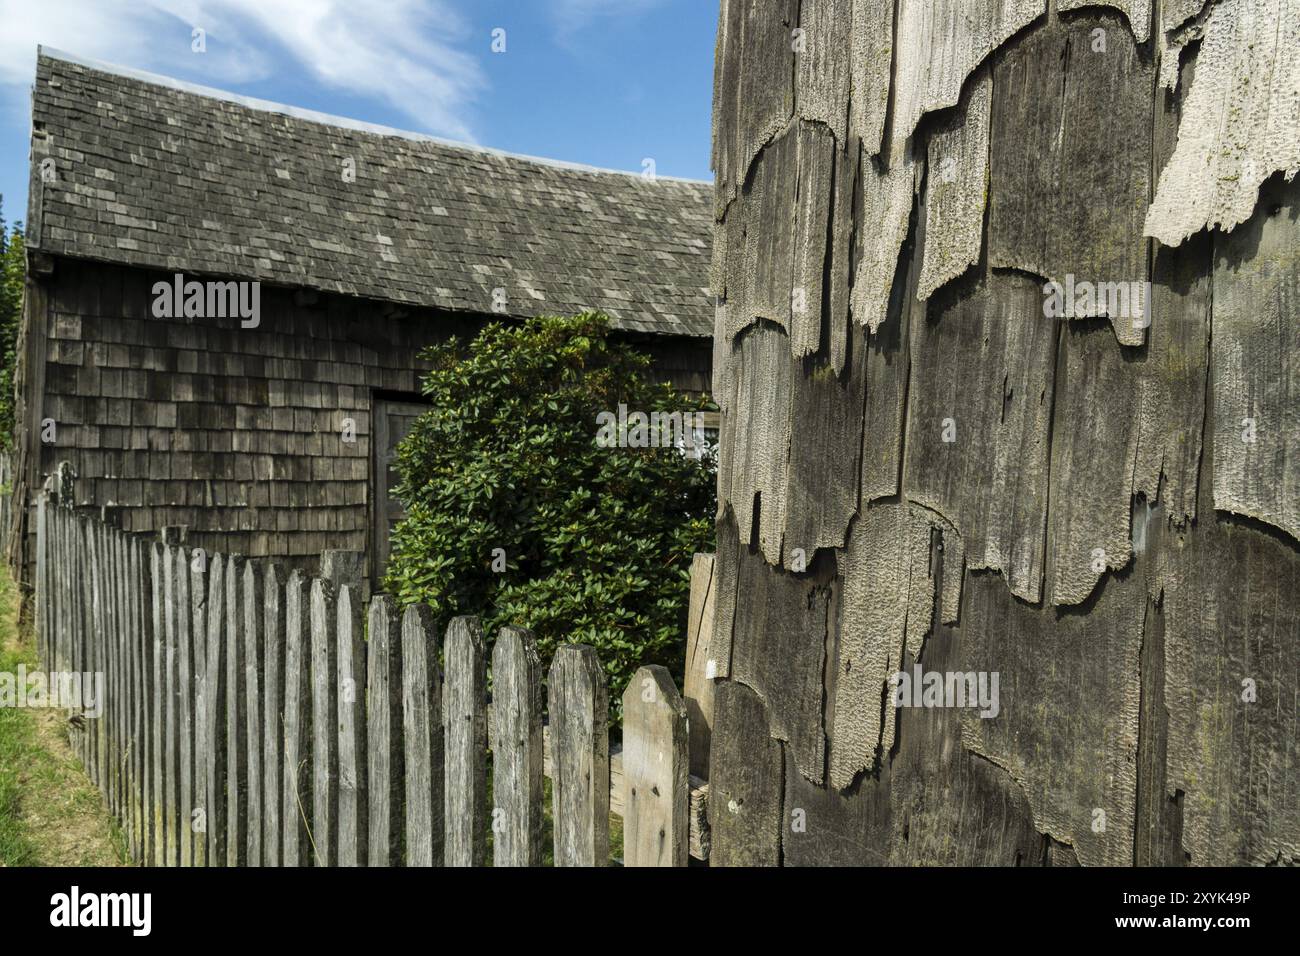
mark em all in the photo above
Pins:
pixel 156 173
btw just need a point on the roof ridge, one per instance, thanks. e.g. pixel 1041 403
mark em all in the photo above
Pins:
pixel 327 119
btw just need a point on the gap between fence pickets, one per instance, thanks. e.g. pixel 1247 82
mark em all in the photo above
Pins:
pixel 699 800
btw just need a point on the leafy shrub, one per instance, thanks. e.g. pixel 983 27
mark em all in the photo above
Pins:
pixel 597 540
pixel 13 268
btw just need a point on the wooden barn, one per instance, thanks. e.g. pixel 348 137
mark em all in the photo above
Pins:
pixel 366 243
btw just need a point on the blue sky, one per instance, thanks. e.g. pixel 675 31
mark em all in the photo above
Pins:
pixel 604 82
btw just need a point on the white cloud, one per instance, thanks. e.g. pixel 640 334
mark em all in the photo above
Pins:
pixel 573 15
pixel 402 52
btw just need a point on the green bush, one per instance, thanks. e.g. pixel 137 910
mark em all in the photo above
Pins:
pixel 597 540
pixel 12 271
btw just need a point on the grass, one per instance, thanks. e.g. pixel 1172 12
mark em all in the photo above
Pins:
pixel 50 812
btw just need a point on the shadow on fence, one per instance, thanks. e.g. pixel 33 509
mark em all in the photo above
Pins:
pixel 248 718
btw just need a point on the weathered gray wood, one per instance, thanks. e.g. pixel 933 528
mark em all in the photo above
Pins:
pixel 1239 123
pixel 275 636
pixel 324 723
pixel 656 823
pixel 579 713
pixel 214 719
pixel 254 610
pixel 465 825
pixel 1255 354
pixel 978 433
pixel 701 664
pixel 296 809
pixel 164 581
pixel 517 749
pixel 1040 143
pixel 423 735
pixel 182 610
pixel 198 811
pixel 353 807
pixel 745 790
pixel 157 703
pixel 236 821
pixel 386 770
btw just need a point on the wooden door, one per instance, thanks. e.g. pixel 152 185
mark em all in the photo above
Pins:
pixel 392 421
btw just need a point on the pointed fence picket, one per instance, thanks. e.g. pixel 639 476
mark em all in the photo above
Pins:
pixel 253 717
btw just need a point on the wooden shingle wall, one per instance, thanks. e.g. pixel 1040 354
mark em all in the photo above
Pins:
pixel 925 468
pixel 235 434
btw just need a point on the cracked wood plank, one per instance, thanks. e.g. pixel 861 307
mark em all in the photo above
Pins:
pixel 979 423
pixel 1255 353
pixel 940 43
pixel 1239 124
pixel 957 188
pixel 745 791
pixel 1058 143
pixel 779 647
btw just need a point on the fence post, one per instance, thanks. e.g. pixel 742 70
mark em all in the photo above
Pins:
pixel 656 801
pixel 254 641
pixel 199 811
pixel 386 770
pixel 180 610
pixel 579 712
pixel 236 821
pixel 466 749
pixel 517 749
pixel 422 726
pixel 136 639
pixel 164 582
pixel 324 722
pixel 701 665
pixel 272 710
pixel 214 736
pixel 295 812
pixel 353 820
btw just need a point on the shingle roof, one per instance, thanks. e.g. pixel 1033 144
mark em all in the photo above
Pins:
pixel 156 173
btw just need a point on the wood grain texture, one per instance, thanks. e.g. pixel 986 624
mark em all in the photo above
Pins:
pixel 255 720
pixel 215 727
pixel 940 42
pixel 299 775
pixel 517 749
pixel 353 805
pixel 1138 13
pixel 579 723
pixel 275 633
pixel 1256 374
pixel 745 790
pixel 656 764
pixel 422 729
pixel 780 635
pixel 957 188
pixel 979 422
pixel 324 722
pixel 466 824
pixel 386 758
pixel 1051 135
pixel 701 664
pixel 236 714
pixel 1238 127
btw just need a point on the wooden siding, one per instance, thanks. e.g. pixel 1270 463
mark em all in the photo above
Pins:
pixel 234 434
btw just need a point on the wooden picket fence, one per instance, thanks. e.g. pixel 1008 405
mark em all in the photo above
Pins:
pixel 250 719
